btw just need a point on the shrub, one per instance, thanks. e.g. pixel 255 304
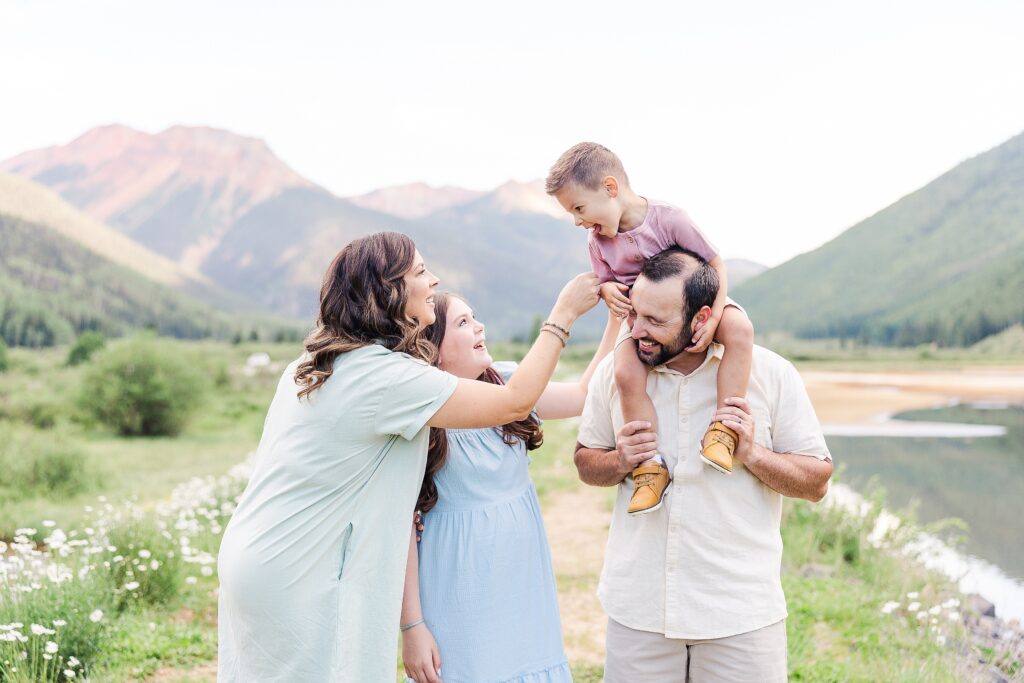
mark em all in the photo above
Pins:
pixel 145 565
pixel 39 464
pixel 142 389
pixel 87 344
pixel 3 356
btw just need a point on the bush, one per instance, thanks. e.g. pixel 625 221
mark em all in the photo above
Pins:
pixel 142 389
pixel 88 344
pixel 39 464
pixel 3 356
pixel 144 567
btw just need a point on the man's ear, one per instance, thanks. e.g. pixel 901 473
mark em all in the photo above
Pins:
pixel 611 185
pixel 701 318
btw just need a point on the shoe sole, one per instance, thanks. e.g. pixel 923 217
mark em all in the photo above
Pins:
pixel 650 509
pixel 715 465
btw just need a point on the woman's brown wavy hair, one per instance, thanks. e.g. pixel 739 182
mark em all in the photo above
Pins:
pixel 362 301
pixel 528 431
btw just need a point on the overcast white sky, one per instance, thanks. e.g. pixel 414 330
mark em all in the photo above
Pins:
pixel 777 125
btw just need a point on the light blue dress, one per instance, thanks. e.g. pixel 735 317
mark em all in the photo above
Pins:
pixel 487 587
pixel 312 563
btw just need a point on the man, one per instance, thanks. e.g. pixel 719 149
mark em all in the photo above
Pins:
pixel 692 590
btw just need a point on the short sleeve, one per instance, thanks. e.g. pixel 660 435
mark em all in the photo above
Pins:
pixel 596 428
pixel 680 229
pixel 415 393
pixel 600 267
pixel 795 426
pixel 505 368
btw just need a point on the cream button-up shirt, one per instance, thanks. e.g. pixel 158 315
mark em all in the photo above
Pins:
pixel 707 563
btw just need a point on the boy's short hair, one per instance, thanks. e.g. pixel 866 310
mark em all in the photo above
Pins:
pixel 586 165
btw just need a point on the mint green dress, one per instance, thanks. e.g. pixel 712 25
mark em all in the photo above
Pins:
pixel 312 563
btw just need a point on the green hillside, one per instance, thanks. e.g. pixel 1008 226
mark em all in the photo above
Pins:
pixel 943 264
pixel 52 288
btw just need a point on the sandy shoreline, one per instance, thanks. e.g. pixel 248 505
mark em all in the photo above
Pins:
pixel 863 397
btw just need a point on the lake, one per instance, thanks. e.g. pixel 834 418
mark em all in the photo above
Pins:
pixel 977 479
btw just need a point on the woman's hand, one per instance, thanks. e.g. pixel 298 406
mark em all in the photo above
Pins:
pixel 578 296
pixel 420 655
pixel 614 295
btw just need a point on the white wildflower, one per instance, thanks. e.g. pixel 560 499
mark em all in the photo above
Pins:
pixel 49 523
pixel 207 570
pixel 59 622
pixel 51 647
pixel 131 585
pixel 922 615
pixel 888 607
pixel 191 580
pixel 73 662
pixel 913 596
pixel 40 630
pixel 940 639
pixel 96 616
pixel 935 610
pixel 145 554
pixel 69 673
pixel 954 616
pixel 913 607
pixel 154 565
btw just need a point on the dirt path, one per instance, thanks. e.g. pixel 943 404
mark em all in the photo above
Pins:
pixel 577 526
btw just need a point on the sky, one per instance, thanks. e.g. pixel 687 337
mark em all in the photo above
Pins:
pixel 776 125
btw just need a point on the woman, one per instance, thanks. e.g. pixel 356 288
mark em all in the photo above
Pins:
pixel 312 561
pixel 483 586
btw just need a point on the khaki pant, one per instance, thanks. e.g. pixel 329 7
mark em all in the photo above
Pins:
pixel 642 657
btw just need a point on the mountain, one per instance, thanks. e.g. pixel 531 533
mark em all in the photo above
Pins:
pixel 226 215
pixel 176 192
pixel 944 264
pixel 740 270
pixel 414 200
pixel 62 272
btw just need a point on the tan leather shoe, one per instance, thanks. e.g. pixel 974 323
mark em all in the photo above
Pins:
pixel 719 444
pixel 649 483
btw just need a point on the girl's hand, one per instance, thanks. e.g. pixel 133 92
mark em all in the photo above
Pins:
pixel 420 655
pixel 703 337
pixel 578 296
pixel 614 295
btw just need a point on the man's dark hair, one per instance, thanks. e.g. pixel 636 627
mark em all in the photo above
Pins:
pixel 700 281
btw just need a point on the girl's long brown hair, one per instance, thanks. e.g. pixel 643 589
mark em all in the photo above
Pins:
pixel 362 301
pixel 528 431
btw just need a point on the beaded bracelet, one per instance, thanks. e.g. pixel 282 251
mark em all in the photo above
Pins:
pixel 565 330
pixel 552 330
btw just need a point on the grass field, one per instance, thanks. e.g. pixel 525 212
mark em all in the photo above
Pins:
pixel 164 629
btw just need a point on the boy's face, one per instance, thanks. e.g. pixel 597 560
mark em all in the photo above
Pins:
pixel 599 210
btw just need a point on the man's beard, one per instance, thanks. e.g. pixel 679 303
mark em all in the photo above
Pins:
pixel 666 352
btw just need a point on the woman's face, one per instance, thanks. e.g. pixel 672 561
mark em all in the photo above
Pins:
pixel 419 289
pixel 463 352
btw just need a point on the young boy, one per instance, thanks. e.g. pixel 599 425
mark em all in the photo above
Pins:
pixel 626 229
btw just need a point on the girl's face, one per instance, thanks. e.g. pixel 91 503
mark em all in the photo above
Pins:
pixel 463 352
pixel 419 289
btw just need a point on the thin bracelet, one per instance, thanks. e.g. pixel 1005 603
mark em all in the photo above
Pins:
pixel 556 325
pixel 545 328
pixel 409 626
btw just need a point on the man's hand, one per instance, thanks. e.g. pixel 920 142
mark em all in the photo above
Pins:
pixel 634 444
pixel 704 335
pixel 614 295
pixel 737 416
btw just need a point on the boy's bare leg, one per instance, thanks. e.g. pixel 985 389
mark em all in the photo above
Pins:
pixel 650 478
pixel 736 333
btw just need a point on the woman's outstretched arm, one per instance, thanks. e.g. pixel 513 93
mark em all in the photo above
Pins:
pixel 566 399
pixel 481 404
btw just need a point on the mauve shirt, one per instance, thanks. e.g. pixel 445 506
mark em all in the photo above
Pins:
pixel 619 258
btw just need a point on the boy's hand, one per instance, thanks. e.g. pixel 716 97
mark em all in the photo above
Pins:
pixel 704 335
pixel 614 295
